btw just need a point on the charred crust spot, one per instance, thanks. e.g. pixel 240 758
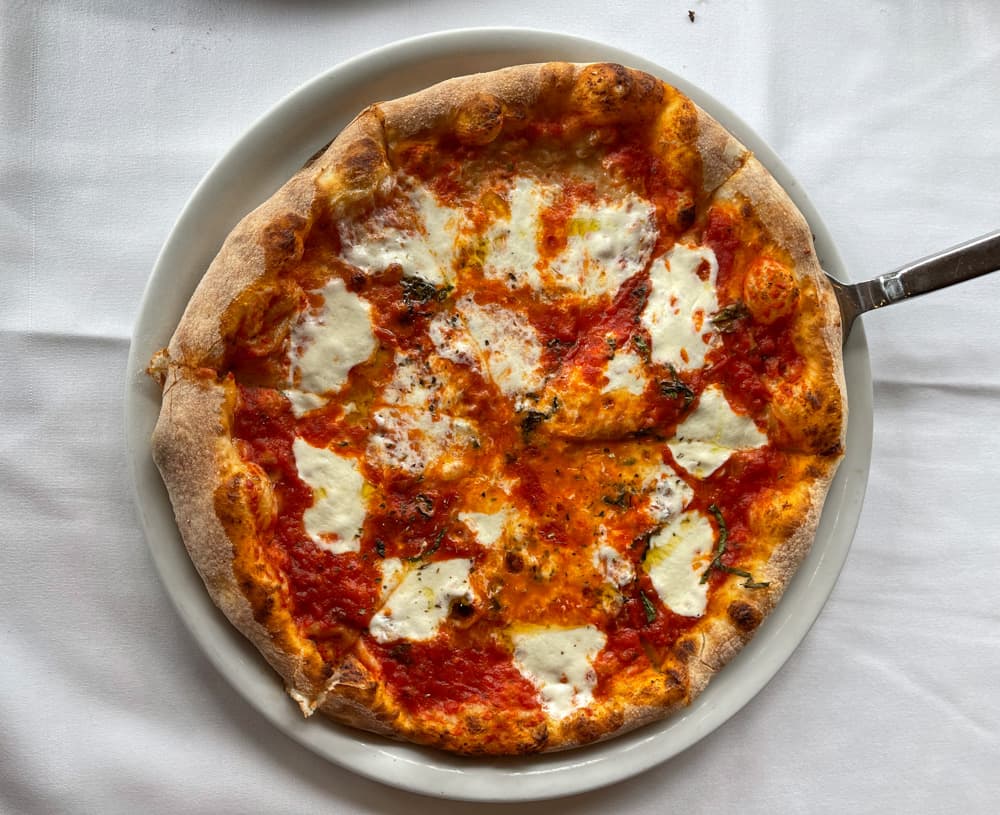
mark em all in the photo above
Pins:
pixel 743 615
pixel 480 120
pixel 648 90
pixel 686 649
pixel 352 675
pixel 672 679
pixel 462 610
pixel 604 88
pixel 514 562
pixel 686 217
pixel 362 162
pixel 283 239
pixel 586 730
pixel 833 450
pixel 474 724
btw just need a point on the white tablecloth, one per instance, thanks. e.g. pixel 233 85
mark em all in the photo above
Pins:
pixel 110 113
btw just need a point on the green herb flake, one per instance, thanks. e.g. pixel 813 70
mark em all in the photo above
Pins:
pixel 648 607
pixel 433 547
pixel 675 388
pixel 725 318
pixel 417 290
pixel 720 550
pixel 623 499
pixel 642 346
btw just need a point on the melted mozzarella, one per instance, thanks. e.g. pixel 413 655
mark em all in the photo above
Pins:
pixel 508 344
pixel 512 242
pixel 335 519
pixel 679 306
pixel 303 402
pixel 422 600
pixel 452 340
pixel 616 569
pixel 607 244
pixel 625 372
pixel 677 558
pixel 669 494
pixel 426 251
pixel 559 662
pixel 412 427
pixel 325 346
pixel 393 570
pixel 487 527
pixel 416 439
pixel 712 433
pixel 413 383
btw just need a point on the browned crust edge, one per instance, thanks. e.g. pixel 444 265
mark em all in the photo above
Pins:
pixel 820 337
pixel 193 450
pixel 722 154
pixel 821 401
pixel 264 240
pixel 432 110
pixel 726 636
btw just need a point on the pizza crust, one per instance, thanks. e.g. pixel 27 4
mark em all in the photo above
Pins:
pixel 192 447
pixel 814 409
pixel 797 516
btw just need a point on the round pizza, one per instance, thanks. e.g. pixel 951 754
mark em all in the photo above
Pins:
pixel 504 423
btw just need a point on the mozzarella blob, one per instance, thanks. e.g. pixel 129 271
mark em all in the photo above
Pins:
pixel 712 433
pixel 682 299
pixel 326 345
pixel 422 601
pixel 677 558
pixel 559 663
pixel 335 519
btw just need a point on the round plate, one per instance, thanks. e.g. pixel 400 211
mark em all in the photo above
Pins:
pixel 275 147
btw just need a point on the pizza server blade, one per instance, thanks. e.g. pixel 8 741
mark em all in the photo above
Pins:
pixel 963 262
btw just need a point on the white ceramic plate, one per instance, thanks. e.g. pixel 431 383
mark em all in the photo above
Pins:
pixel 275 147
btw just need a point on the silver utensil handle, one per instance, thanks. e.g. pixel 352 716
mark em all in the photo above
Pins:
pixel 959 263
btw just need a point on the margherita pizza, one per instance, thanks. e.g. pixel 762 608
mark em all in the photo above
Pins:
pixel 505 422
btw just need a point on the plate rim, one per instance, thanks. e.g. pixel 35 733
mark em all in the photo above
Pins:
pixel 422 770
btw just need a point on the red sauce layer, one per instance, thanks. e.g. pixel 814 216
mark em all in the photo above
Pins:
pixel 442 674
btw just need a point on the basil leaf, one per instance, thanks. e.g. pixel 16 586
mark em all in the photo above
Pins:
pixel 648 607
pixel 726 317
pixel 720 550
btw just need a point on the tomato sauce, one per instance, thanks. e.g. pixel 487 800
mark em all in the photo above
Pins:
pixel 596 334
pixel 750 357
pixel 437 674
pixel 720 235
pixel 557 219
pixel 325 589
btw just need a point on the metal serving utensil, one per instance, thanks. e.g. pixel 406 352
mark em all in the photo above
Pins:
pixel 959 263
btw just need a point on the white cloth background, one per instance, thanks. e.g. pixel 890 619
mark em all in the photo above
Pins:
pixel 110 113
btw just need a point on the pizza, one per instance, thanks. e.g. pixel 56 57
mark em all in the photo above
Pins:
pixel 504 423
